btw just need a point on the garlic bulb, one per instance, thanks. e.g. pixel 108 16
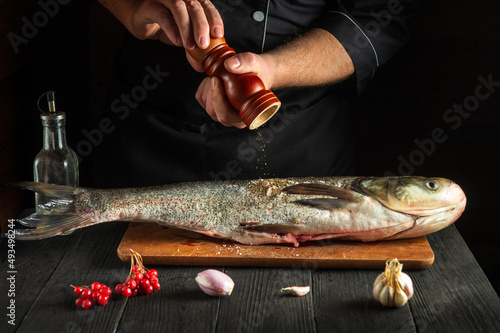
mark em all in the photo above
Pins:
pixel 298 291
pixel 393 288
pixel 215 283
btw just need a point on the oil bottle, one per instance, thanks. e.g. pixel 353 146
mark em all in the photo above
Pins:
pixel 56 163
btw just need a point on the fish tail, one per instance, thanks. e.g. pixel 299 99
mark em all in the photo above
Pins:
pixel 56 216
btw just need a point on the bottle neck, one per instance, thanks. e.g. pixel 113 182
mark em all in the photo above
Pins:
pixel 54 134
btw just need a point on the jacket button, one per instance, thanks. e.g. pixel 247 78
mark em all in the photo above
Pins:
pixel 258 16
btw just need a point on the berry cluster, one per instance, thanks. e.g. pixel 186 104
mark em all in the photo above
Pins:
pixel 140 280
pixel 96 293
pixel 140 283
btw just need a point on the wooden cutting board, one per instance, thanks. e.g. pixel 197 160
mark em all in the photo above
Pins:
pixel 168 246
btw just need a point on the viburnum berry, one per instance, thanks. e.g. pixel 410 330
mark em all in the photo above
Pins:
pixel 145 283
pixel 149 289
pixel 102 299
pixel 95 295
pixel 78 290
pixel 127 292
pixel 86 304
pixel 155 284
pixel 95 286
pixel 87 293
pixel 118 288
pixel 132 284
pixel 105 291
pixel 153 273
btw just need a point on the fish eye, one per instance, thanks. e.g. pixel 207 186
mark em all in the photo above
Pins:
pixel 432 185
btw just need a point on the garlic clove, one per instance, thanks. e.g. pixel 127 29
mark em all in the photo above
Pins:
pixel 378 285
pixel 387 296
pixel 399 299
pixel 215 283
pixel 298 291
pixel 406 284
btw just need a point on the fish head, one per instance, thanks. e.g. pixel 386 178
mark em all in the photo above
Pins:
pixel 415 195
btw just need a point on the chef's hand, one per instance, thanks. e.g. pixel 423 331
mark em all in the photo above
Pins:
pixel 211 94
pixel 187 23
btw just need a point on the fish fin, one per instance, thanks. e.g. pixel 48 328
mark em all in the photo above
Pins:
pixel 320 189
pixel 57 216
pixel 52 190
pixel 50 225
pixel 280 228
pixel 60 197
pixel 323 203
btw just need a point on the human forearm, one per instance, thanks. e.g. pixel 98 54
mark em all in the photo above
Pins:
pixel 317 58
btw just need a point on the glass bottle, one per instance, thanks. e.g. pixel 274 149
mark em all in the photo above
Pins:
pixel 56 163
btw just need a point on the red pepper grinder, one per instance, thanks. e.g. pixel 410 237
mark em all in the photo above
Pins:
pixel 246 92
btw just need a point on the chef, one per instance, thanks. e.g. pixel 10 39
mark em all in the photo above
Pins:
pixel 173 123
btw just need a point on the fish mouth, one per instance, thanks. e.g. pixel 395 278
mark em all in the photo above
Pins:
pixel 429 212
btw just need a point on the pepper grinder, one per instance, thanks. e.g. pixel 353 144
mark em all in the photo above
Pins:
pixel 56 163
pixel 246 92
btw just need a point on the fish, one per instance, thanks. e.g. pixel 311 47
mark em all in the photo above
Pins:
pixel 260 211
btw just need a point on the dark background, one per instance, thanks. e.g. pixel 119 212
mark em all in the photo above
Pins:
pixel 453 43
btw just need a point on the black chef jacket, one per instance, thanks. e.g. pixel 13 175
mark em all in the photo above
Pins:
pixel 162 135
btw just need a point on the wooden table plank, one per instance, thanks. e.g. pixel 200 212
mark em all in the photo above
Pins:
pixel 343 302
pixel 35 263
pixel 454 296
pixel 179 305
pixel 258 305
pixel 90 258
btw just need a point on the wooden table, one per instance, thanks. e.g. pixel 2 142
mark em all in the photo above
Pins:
pixel 453 295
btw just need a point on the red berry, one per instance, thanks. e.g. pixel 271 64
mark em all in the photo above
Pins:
pixel 87 293
pixel 135 268
pixel 78 291
pixel 134 292
pixel 145 283
pixel 95 286
pixel 102 300
pixel 106 291
pixel 127 292
pixel 95 295
pixel 149 289
pixel 118 288
pixel 86 304
pixel 155 284
pixel 132 284
pixel 138 276
pixel 153 273
pixel 79 301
